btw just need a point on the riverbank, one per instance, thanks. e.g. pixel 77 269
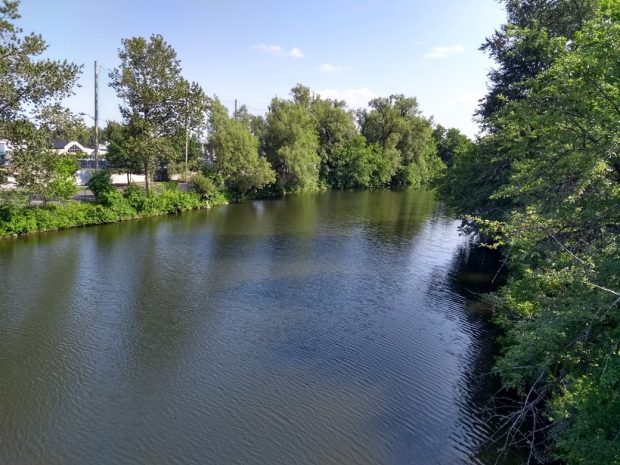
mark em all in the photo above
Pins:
pixel 133 203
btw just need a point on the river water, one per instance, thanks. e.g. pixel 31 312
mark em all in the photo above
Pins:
pixel 320 329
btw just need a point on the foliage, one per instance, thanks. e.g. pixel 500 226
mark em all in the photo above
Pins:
pixel 290 142
pixel 357 165
pixel 536 32
pixel 30 89
pixel 335 127
pixel 44 173
pixel 101 185
pixel 118 157
pixel 13 198
pixel 209 187
pixel 58 123
pixel 235 153
pixel 549 171
pixel 450 143
pixel 135 202
pixel 28 84
pixel 405 138
pixel 159 105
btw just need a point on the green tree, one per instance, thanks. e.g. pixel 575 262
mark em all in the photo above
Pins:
pixel 534 35
pixel 357 165
pixel 563 142
pixel 550 171
pixel 290 142
pixel 119 158
pixel 336 130
pixel 43 173
pixel 406 138
pixel 59 124
pixel 235 153
pixel 28 84
pixel 30 91
pixel 450 143
pixel 158 103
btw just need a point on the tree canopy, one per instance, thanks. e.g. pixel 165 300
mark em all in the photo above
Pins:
pixel 158 103
pixel 544 184
pixel 234 150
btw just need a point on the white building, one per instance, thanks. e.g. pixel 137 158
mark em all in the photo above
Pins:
pixel 73 146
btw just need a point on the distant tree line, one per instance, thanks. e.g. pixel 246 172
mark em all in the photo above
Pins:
pixel 303 143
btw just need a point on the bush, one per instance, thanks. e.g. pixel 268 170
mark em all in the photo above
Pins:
pixel 101 185
pixel 206 186
pixel 137 197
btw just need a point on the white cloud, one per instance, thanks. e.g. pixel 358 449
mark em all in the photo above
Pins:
pixel 355 98
pixel 442 52
pixel 296 53
pixel 330 69
pixel 278 50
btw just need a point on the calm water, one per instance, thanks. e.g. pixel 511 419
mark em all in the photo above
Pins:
pixel 321 329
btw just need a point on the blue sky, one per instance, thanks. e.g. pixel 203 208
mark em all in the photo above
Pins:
pixel 255 50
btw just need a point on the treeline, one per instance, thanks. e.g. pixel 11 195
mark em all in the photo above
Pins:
pixel 543 183
pixel 303 143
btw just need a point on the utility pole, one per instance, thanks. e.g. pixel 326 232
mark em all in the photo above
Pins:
pixel 235 116
pixel 186 134
pixel 96 117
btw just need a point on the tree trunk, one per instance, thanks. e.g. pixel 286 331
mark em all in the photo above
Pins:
pixel 146 177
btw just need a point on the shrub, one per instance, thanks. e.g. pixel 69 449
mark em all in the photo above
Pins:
pixel 205 186
pixel 101 185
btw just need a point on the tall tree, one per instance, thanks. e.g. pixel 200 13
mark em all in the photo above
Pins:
pixel 549 171
pixel 158 103
pixel 290 142
pixel 536 33
pixel 564 325
pixel 28 84
pixel 235 152
pixel 527 44
pixel 406 138
pixel 336 129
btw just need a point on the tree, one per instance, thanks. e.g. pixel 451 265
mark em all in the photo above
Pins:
pixel 405 137
pixel 235 151
pixel 44 173
pixel 450 143
pixel 28 84
pixel 535 34
pixel 336 129
pixel 357 165
pixel 119 158
pixel 30 89
pixel 290 143
pixel 158 103
pixel 551 164
pixel 59 123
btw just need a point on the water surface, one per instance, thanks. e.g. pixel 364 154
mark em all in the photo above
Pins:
pixel 318 329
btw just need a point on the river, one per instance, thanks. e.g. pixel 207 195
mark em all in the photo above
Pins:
pixel 330 328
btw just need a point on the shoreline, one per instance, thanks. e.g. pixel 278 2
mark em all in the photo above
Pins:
pixel 28 221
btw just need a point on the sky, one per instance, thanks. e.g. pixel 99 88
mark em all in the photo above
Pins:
pixel 252 51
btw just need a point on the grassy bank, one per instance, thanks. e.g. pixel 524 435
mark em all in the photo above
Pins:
pixel 111 207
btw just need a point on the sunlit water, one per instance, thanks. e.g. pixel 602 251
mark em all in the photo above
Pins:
pixel 318 329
